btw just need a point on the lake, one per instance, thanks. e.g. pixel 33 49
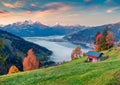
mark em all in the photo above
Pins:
pixel 61 50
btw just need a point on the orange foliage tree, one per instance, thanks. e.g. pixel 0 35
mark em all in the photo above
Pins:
pixel 109 39
pixel 30 62
pixel 13 69
pixel 76 53
pixel 104 41
pixel 97 41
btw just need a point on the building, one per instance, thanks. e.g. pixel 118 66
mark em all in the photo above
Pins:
pixel 94 56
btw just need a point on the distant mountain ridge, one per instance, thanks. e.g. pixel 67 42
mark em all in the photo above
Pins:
pixel 31 29
pixel 88 35
pixel 15 49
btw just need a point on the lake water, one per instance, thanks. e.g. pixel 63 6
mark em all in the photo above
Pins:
pixel 61 50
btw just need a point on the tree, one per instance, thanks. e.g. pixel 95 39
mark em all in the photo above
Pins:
pixel 13 69
pixel 102 44
pixel 30 62
pixel 104 41
pixel 76 53
pixel 97 41
pixel 2 57
pixel 107 40
pixel 119 43
pixel 1 44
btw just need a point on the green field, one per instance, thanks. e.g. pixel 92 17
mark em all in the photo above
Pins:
pixel 77 72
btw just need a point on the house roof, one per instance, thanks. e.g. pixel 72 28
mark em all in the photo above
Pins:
pixel 95 54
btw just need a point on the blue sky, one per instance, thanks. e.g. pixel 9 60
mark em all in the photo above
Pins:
pixel 65 12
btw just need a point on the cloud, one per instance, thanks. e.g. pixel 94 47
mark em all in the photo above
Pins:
pixel 51 7
pixel 28 12
pixel 111 10
pixel 90 9
pixel 17 4
pixel 73 15
pixel 88 1
pixel 57 6
pixel 33 5
pixel 4 13
pixel 94 8
pixel 108 1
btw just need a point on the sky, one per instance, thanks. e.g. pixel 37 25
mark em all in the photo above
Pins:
pixel 65 12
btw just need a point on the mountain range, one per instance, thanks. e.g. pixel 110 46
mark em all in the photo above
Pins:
pixel 88 35
pixel 75 34
pixel 31 29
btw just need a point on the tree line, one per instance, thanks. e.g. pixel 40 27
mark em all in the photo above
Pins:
pixel 104 41
pixel 30 62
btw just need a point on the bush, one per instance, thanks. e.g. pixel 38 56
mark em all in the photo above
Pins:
pixel 13 69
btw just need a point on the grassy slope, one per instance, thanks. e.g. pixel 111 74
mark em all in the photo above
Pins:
pixel 76 72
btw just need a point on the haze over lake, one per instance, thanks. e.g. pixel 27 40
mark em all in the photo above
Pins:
pixel 61 50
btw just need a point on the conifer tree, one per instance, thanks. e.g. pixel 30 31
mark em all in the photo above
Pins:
pixel 2 57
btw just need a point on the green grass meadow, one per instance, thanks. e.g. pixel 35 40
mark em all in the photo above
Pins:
pixel 76 72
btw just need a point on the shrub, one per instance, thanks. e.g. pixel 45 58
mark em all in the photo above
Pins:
pixel 13 69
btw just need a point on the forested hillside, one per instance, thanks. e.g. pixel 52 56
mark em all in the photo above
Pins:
pixel 14 49
pixel 88 35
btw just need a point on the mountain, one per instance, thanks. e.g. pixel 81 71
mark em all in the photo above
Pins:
pixel 30 29
pixel 77 72
pixel 15 49
pixel 88 35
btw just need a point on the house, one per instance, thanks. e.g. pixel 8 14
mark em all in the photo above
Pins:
pixel 94 56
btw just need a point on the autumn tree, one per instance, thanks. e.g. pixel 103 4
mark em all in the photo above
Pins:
pixel 103 41
pixel 118 43
pixel 30 62
pixel 107 40
pixel 76 53
pixel 13 69
pixel 97 42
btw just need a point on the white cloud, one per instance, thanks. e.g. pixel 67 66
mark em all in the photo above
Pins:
pixel 111 10
pixel 17 4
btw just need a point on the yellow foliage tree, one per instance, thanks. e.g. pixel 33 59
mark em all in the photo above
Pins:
pixel 76 53
pixel 13 69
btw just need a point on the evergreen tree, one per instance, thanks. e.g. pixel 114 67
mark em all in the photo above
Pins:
pixel 102 44
pixel 1 44
pixel 107 40
pixel 2 57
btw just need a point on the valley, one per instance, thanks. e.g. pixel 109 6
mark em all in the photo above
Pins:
pixel 57 47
